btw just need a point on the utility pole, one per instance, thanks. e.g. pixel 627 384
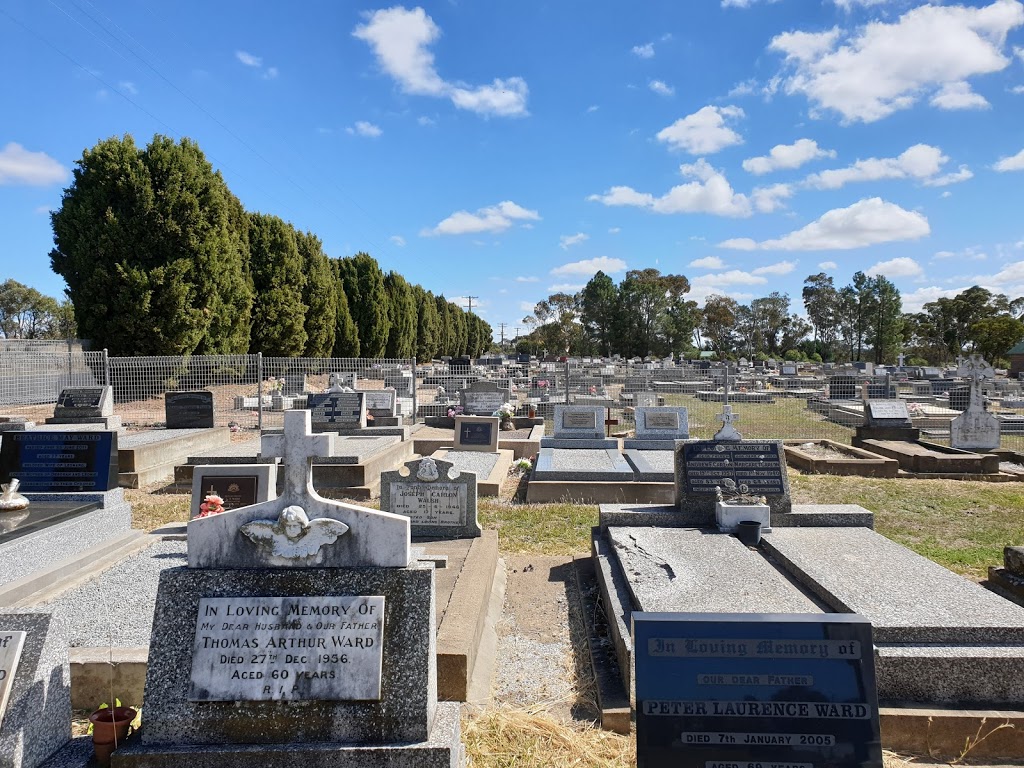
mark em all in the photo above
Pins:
pixel 470 300
pixel 502 327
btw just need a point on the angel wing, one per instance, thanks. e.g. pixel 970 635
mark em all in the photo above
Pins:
pixel 321 532
pixel 259 531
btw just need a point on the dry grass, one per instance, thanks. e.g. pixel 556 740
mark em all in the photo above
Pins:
pixel 502 737
pixel 151 510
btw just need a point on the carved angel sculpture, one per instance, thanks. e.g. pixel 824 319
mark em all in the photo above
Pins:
pixel 293 536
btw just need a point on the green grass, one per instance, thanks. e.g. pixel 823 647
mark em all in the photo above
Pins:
pixel 539 529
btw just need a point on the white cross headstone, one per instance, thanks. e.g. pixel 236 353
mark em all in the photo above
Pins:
pixel 975 429
pixel 728 431
pixel 296 447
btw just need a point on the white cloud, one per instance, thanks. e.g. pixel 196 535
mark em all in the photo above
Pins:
pixel 708 262
pixel 786 156
pixel 606 264
pixel 881 68
pixel 828 265
pixel 592 108
pixel 35 169
pixel 1017 90
pixel 1014 163
pixel 248 59
pixel 709 192
pixel 363 128
pixel 746 88
pixel 526 306
pixel 645 51
pixel 425 121
pixel 914 301
pixel 769 199
pixel 868 222
pixel 495 218
pixel 567 241
pixel 739 244
pixel 741 3
pixel 848 5
pixel 959 96
pixel 921 162
pixel 401 40
pixel 903 266
pixel 661 88
pixel 128 87
pixel 614 230
pixel 566 287
pixel 270 73
pixel 398 240
pixel 704 132
pixel 778 268
pixel 530 279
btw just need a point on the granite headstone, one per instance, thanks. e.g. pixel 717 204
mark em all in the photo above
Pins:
pixel 751 467
pixel 337 410
pixel 439 501
pixel 60 461
pixel 189 410
pixel 477 433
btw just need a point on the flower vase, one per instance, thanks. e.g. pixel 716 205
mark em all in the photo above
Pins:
pixel 110 728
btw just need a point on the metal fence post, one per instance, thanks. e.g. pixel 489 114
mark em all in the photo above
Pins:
pixel 106 368
pixel 415 409
pixel 259 391
pixel 567 381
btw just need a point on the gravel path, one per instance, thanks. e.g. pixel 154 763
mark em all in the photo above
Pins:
pixel 116 608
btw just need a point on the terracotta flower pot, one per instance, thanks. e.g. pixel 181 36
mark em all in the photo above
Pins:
pixel 110 728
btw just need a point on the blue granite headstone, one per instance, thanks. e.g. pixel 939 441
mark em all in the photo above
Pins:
pixel 60 461
pixel 719 690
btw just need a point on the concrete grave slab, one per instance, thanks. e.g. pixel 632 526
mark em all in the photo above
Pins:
pixel 652 466
pixel 586 464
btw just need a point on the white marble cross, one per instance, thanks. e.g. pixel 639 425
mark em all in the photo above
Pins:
pixel 296 447
pixel 728 431
pixel 974 368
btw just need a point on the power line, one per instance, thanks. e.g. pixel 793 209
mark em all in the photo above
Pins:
pixel 470 300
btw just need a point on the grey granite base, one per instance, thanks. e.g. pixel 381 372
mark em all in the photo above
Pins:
pixel 963 675
pixel 649 444
pixel 441 749
pixel 664 516
pixel 652 466
pixel 599 465
pixel 95 422
pixel 408 699
pixel 37 722
pixel 579 442
pixel 42 549
pixel 906 597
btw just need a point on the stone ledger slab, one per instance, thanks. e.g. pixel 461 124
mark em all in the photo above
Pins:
pixel 581 464
pixel 701 571
pixel 907 598
pixel 652 466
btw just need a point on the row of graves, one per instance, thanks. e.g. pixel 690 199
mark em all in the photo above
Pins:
pixel 749 630
pixel 296 630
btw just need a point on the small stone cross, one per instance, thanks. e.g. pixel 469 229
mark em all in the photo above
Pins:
pixel 728 431
pixel 977 370
pixel 296 447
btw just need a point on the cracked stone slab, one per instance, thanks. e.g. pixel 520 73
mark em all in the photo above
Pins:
pixel 701 570
pixel 907 597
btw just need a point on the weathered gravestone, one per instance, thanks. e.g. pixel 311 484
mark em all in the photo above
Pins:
pixel 752 468
pixel 300 633
pixel 476 433
pixel 657 428
pixel 381 403
pixel 86 405
pixel 238 485
pixel 975 429
pixel 579 426
pixel 347 380
pixel 483 398
pixel 337 411
pixel 439 500
pixel 60 461
pixel 35 689
pixel 755 690
pixel 887 413
pixel 189 410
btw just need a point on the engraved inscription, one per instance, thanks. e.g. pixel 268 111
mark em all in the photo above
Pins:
pixel 579 420
pixel 759 466
pixel 434 504
pixel 288 649
pixel 655 420
pixel 889 409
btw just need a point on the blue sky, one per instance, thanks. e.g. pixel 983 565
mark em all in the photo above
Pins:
pixel 506 150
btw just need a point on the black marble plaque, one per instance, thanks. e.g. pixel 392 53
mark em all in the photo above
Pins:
pixel 236 490
pixel 476 433
pixel 189 410
pixel 80 397
pixel 344 408
pixel 60 461
pixel 760 466
pixel 755 690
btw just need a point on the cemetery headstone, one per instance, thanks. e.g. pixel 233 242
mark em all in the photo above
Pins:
pixel 337 410
pixel 975 429
pixel 294 383
pixel 887 413
pixel 60 461
pixel 35 683
pixel 299 633
pixel 579 426
pixel 381 403
pixel 754 467
pixel 239 485
pixel 477 433
pixel 789 369
pixel 755 690
pixel 659 427
pixel 84 402
pixel 645 399
pixel 439 501
pixel 482 398
pixel 189 410
pixel 347 379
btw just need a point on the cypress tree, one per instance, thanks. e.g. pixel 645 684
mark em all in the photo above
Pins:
pixel 445 328
pixel 278 314
pixel 346 337
pixel 427 325
pixel 319 294
pixel 403 316
pixel 363 282
pixel 151 248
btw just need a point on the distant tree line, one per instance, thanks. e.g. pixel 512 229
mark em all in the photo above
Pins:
pixel 648 313
pixel 25 313
pixel 160 258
